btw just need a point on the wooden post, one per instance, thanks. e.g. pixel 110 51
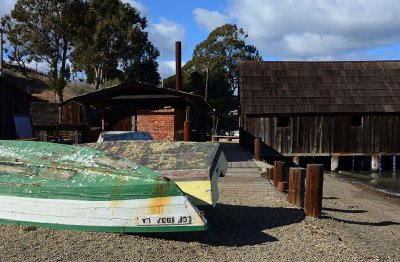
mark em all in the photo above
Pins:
pixel 278 172
pixel 186 125
pixel 314 187
pixel 257 149
pixel 186 131
pixel 374 162
pixel 297 177
pixel 334 163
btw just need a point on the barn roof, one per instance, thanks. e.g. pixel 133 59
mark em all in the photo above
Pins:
pixel 319 87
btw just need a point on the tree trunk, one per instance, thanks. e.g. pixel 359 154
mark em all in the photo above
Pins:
pixel 98 79
pixel 59 96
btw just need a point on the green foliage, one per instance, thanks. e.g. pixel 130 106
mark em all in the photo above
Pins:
pixel 103 38
pixel 43 30
pixel 112 43
pixel 213 70
pixel 170 82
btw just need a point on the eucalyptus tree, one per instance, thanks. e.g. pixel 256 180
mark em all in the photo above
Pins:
pixel 112 43
pixel 43 30
pixel 217 60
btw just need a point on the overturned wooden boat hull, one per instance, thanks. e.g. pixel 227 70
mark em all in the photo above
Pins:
pixel 195 167
pixel 68 187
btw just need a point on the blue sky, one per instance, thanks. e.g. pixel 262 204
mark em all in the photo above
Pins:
pixel 281 29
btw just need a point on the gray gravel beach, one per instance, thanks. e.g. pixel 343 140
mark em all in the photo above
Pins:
pixel 253 222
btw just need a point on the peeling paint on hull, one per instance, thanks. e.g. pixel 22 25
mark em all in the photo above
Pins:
pixel 194 166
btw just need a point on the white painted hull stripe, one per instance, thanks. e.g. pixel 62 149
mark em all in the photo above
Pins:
pixel 119 213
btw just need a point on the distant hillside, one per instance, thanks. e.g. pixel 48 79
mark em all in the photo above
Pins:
pixel 37 84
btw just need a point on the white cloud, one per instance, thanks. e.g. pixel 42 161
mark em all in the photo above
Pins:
pixel 310 28
pixel 164 34
pixel 138 5
pixel 167 68
pixel 209 20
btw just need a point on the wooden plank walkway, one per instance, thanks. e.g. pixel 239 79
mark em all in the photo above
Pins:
pixel 243 172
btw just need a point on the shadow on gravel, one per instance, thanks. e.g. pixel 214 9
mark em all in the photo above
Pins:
pixel 238 225
pixel 374 224
pixel 350 211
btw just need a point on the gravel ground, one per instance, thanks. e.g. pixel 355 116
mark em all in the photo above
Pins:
pixel 251 224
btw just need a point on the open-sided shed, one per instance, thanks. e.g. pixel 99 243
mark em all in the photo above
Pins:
pixel 321 108
pixel 141 107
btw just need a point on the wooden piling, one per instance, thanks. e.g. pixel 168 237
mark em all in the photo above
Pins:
pixel 374 162
pixel 278 172
pixel 186 131
pixel 314 188
pixel 334 163
pixel 257 149
pixel 297 177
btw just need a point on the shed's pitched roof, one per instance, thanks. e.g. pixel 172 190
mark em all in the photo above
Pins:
pixel 319 87
pixel 45 114
pixel 140 95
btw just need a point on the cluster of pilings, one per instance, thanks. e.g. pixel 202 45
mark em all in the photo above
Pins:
pixel 374 162
pixel 304 186
pixel 335 162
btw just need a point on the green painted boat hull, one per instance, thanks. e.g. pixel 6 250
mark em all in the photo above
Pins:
pixel 69 187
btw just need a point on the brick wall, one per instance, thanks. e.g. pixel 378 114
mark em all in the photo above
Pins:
pixel 159 123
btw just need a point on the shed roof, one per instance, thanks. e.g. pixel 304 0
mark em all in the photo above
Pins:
pixel 45 114
pixel 140 95
pixel 320 87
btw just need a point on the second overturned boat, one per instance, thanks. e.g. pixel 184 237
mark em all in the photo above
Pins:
pixel 194 166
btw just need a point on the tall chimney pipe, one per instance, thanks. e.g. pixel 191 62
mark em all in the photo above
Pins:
pixel 178 57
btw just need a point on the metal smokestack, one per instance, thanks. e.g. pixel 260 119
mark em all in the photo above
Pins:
pixel 178 57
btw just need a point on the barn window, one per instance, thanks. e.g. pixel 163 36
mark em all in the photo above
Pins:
pixel 283 121
pixel 356 121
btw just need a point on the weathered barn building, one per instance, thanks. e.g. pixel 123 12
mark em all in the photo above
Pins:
pixel 13 102
pixel 138 107
pixel 321 108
